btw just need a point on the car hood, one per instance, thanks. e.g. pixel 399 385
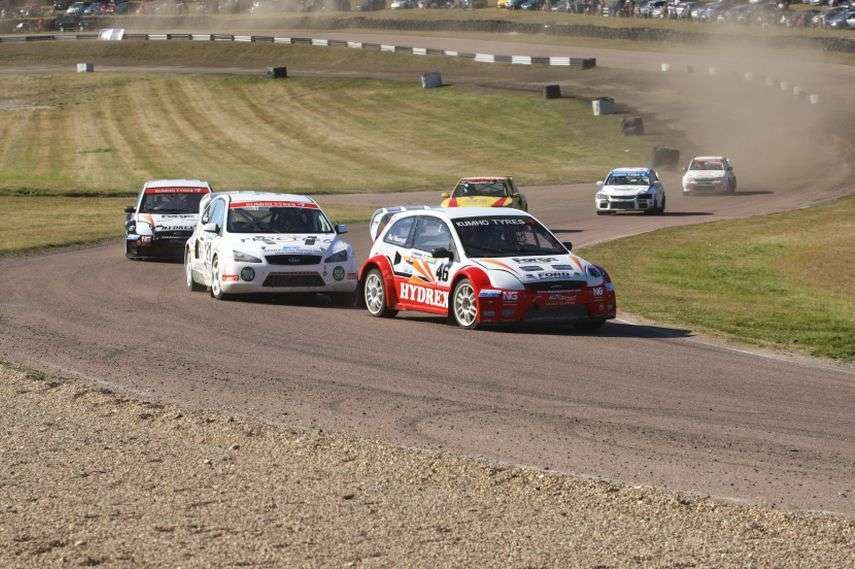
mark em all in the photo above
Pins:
pixel 170 221
pixel 292 243
pixel 478 201
pixel 705 174
pixel 624 190
pixel 534 269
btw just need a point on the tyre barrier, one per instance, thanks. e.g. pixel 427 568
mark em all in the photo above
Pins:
pixel 431 80
pixel 662 156
pixel 552 91
pixel 561 61
pixel 277 72
pixel 632 126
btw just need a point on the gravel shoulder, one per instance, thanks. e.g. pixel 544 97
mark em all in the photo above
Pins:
pixel 91 478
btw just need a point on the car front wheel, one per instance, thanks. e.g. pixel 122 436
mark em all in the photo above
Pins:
pixel 464 307
pixel 217 281
pixel 374 294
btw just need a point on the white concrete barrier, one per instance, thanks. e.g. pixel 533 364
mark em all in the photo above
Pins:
pixel 712 71
pixel 749 76
pixel 797 91
pixel 85 67
pixel 814 99
pixel 665 67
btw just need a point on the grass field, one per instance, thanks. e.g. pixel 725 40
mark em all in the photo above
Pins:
pixel 786 280
pixel 107 133
pixel 28 223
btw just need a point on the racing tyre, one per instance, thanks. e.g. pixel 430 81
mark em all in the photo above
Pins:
pixel 589 325
pixel 731 187
pixel 343 298
pixel 375 297
pixel 217 282
pixel 192 285
pixel 661 209
pixel 464 308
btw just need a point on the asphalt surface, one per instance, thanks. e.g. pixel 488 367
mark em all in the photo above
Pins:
pixel 641 404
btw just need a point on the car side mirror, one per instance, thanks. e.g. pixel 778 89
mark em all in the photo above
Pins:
pixel 445 195
pixel 568 244
pixel 599 182
pixel 130 209
pixel 442 253
pixel 210 227
pixel 341 228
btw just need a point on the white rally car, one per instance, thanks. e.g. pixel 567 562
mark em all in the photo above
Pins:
pixel 630 189
pixel 709 174
pixel 251 242
pixel 163 218
pixel 480 266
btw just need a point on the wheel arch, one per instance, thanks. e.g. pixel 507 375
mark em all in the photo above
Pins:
pixel 381 263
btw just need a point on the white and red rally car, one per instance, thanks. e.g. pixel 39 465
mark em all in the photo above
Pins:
pixel 250 242
pixel 480 266
pixel 163 218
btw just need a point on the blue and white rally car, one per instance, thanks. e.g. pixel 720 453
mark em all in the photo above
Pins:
pixel 630 189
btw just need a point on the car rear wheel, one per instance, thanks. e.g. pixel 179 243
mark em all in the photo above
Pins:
pixel 374 294
pixel 217 281
pixel 464 307
pixel 192 285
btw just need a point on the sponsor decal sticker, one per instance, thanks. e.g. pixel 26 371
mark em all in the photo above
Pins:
pixel 423 295
pixel 272 203
pixel 338 273
pixel 185 190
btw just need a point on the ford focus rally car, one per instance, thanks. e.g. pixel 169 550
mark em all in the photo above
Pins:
pixel 710 174
pixel 163 218
pixel 250 242
pixel 495 191
pixel 481 266
pixel 630 189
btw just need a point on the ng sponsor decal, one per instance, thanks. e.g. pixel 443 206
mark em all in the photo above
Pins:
pixel 423 295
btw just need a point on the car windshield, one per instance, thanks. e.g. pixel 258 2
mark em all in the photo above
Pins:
pixel 706 165
pixel 628 179
pixel 505 236
pixel 172 200
pixel 273 218
pixel 493 189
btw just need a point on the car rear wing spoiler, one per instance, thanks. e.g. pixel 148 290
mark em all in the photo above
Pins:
pixel 381 217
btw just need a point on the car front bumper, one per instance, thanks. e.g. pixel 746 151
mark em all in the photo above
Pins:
pixel 624 204
pixel 155 247
pixel 554 307
pixel 279 279
pixel 716 185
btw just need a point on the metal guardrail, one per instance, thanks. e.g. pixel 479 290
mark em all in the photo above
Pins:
pixel 572 62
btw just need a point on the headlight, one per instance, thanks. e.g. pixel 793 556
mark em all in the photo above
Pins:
pixel 594 272
pixel 602 196
pixel 339 257
pixel 244 257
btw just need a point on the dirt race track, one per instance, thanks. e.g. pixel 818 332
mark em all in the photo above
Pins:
pixel 636 403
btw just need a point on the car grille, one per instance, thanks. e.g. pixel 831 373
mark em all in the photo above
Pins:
pixel 622 205
pixel 293 280
pixel 563 313
pixel 645 196
pixel 293 259
pixel 554 286
pixel 182 234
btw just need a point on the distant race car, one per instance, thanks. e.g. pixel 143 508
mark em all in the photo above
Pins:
pixel 163 218
pixel 709 173
pixel 492 191
pixel 630 189
pixel 480 266
pixel 251 242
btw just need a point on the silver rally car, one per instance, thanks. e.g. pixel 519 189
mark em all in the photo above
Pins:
pixel 709 174
pixel 251 242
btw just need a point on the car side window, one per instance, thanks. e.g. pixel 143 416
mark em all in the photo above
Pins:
pixel 432 233
pixel 218 215
pixel 399 233
pixel 206 215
